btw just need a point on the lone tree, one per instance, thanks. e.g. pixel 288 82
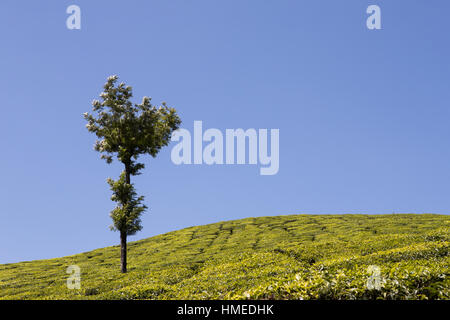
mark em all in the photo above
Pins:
pixel 128 130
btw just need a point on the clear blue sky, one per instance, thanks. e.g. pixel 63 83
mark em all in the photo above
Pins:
pixel 363 115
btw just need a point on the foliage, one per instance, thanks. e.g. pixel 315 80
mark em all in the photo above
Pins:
pixel 129 130
pixel 126 216
pixel 284 257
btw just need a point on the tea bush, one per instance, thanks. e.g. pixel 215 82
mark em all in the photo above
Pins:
pixel 283 257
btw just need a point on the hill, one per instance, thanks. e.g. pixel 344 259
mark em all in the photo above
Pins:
pixel 402 256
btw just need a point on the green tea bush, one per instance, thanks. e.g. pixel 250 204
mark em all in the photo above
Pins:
pixel 284 257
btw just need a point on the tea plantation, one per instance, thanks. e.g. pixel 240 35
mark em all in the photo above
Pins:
pixel 399 256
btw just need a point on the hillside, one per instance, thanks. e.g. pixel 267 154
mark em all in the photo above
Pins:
pixel 283 257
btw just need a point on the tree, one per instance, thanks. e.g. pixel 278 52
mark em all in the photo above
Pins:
pixel 128 130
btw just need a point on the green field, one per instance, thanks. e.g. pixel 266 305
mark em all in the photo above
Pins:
pixel 282 257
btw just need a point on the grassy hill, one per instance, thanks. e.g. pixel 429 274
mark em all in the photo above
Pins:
pixel 283 257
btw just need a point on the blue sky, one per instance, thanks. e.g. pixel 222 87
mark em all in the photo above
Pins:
pixel 363 115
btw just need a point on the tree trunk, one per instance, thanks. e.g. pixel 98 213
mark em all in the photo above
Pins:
pixel 123 234
pixel 127 173
pixel 123 251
